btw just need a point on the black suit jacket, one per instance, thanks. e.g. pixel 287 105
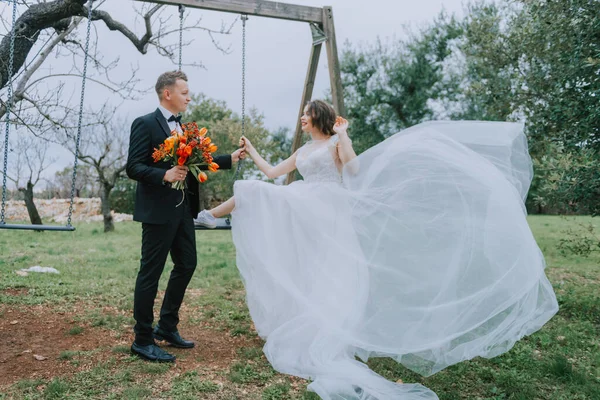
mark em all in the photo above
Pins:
pixel 155 203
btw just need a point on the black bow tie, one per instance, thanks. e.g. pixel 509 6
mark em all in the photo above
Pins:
pixel 175 118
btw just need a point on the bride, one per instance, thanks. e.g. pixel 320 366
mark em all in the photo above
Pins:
pixel 417 249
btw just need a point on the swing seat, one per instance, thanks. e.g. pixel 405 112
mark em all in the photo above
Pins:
pixel 222 224
pixel 63 228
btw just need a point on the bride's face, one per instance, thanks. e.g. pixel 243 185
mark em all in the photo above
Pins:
pixel 306 121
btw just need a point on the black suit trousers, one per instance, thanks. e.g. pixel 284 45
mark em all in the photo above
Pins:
pixel 176 236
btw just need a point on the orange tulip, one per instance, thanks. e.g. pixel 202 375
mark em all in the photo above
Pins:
pixel 206 141
pixel 169 142
pixel 157 155
pixel 181 160
pixel 188 150
pixel 213 167
pixel 182 139
pixel 203 131
pixel 212 148
pixel 202 177
pixel 181 150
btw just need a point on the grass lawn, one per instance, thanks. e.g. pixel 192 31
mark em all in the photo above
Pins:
pixel 67 335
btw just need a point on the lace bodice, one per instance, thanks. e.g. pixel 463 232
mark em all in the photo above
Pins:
pixel 316 161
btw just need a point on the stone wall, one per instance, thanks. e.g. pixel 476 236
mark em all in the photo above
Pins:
pixel 57 210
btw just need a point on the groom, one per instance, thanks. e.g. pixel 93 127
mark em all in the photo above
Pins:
pixel 166 227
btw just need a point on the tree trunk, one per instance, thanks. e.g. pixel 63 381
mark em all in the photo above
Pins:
pixel 34 215
pixel 109 225
pixel 36 18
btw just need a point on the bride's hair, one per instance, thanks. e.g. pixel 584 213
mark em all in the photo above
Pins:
pixel 322 115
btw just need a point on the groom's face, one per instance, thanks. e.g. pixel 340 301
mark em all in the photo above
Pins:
pixel 178 95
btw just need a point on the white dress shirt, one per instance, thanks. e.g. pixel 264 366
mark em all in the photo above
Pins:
pixel 173 125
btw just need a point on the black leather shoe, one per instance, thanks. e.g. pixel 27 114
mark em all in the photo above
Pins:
pixel 173 338
pixel 152 352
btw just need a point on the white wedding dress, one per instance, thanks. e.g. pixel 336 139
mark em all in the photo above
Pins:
pixel 418 250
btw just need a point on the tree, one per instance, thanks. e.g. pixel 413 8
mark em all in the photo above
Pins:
pixel 27 160
pixel 60 187
pixel 52 29
pixel 104 149
pixel 122 197
pixel 488 78
pixel 559 43
pixel 389 87
pixel 225 128
pixel 535 61
pixel 538 60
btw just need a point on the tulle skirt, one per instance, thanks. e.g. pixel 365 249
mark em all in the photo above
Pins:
pixel 422 254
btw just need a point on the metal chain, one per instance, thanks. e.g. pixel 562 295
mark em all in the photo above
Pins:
pixel 244 19
pixel 239 166
pixel 181 11
pixel 77 141
pixel 8 106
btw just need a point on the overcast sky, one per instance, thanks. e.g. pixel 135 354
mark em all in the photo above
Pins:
pixel 277 53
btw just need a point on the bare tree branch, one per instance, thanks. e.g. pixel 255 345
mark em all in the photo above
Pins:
pixel 28 27
pixel 43 55
pixel 50 28
pixel 142 43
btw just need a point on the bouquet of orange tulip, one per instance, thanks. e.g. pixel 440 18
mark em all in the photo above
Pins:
pixel 191 148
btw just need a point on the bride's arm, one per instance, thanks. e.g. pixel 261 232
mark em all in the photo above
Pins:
pixel 344 145
pixel 284 167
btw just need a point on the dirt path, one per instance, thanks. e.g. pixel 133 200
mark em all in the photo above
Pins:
pixel 34 337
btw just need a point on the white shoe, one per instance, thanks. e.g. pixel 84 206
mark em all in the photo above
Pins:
pixel 205 219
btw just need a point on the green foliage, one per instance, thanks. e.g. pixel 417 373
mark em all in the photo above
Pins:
pixel 278 391
pixel 247 373
pixel 568 182
pixel 389 87
pixel 538 60
pixel 489 78
pixel 559 40
pixel 76 330
pixel 571 179
pixel 122 197
pixel 225 129
pixel 67 355
pixel 531 60
pixel 57 389
pixel 189 386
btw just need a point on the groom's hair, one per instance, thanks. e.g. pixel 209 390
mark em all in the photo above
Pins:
pixel 322 115
pixel 168 79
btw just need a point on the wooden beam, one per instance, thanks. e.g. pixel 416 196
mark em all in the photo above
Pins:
pixel 271 9
pixel 309 85
pixel 335 79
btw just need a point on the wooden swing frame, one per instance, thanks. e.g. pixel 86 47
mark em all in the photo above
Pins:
pixel 321 17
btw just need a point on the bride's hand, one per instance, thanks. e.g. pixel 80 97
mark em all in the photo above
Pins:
pixel 340 126
pixel 245 143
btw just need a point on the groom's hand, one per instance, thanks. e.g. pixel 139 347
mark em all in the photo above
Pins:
pixel 177 173
pixel 238 155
